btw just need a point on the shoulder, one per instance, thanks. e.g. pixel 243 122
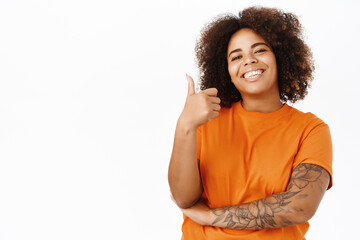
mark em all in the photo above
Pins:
pixel 313 131
pixel 307 120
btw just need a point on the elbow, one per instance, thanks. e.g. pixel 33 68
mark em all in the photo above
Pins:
pixel 303 214
pixel 183 200
pixel 182 203
pixel 185 197
pixel 309 214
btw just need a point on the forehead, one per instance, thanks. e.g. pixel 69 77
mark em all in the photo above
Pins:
pixel 244 38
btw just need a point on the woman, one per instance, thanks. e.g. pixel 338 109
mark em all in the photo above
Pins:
pixel 245 165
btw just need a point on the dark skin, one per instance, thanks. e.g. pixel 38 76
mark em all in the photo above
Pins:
pixel 293 56
pixel 296 205
pixel 253 70
pixel 184 176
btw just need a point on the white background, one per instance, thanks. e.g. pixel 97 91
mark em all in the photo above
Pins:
pixel 90 92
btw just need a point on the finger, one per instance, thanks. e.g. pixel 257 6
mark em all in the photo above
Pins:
pixel 214 100
pixel 211 91
pixel 191 85
pixel 214 114
pixel 216 107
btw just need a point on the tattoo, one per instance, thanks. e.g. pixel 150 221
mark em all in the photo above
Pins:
pixel 303 175
pixel 258 214
pixel 261 213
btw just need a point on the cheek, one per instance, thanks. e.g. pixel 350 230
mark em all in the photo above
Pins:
pixel 271 60
pixel 232 70
pixel 274 70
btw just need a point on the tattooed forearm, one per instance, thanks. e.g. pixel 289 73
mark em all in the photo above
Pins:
pixel 278 210
pixel 258 214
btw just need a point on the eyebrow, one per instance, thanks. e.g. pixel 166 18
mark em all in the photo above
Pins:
pixel 252 46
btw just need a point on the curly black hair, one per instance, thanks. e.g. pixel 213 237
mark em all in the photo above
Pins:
pixel 281 30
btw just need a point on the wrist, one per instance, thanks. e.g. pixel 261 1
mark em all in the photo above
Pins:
pixel 210 217
pixel 186 124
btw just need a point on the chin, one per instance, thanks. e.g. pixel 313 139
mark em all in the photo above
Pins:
pixel 256 89
pixel 251 91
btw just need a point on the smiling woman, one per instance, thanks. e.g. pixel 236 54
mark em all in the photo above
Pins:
pixel 281 31
pixel 252 68
pixel 245 164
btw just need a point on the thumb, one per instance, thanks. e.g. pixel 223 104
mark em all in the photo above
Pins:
pixel 191 85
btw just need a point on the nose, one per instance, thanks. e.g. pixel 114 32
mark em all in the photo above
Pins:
pixel 250 60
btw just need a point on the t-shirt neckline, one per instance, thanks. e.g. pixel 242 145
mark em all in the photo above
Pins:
pixel 281 111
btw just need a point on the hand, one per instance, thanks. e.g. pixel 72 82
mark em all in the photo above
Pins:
pixel 199 213
pixel 201 107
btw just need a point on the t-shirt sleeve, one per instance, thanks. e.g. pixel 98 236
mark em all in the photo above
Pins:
pixel 198 142
pixel 316 148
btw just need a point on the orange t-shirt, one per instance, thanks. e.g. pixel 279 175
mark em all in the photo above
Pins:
pixel 245 156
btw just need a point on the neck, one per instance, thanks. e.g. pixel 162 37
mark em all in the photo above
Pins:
pixel 261 105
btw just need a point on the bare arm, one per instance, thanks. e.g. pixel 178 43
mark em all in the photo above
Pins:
pixel 184 175
pixel 296 205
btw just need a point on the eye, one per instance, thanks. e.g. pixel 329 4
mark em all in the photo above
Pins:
pixel 235 58
pixel 260 50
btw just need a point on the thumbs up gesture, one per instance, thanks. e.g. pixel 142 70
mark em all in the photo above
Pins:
pixel 200 107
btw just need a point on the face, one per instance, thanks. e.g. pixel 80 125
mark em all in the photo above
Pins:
pixel 252 65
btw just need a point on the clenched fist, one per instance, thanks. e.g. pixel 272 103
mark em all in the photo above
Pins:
pixel 199 107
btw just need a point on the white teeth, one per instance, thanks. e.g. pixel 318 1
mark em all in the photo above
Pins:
pixel 253 74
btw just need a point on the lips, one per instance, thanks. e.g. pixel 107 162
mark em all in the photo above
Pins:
pixel 253 73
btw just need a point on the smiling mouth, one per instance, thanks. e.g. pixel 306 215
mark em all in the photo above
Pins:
pixel 253 74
